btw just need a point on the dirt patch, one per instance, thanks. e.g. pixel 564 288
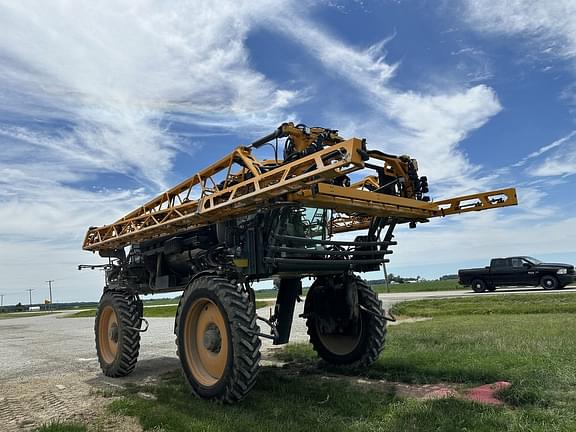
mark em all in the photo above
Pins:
pixel 28 404
pixel 484 394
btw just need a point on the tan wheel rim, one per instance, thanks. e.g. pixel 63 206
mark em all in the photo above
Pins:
pixel 108 334
pixel 206 342
pixel 340 344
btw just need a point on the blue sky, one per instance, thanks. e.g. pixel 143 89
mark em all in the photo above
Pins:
pixel 105 104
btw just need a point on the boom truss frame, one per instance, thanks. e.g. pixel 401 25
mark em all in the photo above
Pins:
pixel 239 184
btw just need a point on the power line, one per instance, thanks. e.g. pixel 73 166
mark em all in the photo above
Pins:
pixel 9 293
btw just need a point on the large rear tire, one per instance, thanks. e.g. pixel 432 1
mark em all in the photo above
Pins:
pixel 118 319
pixel 216 335
pixel 353 344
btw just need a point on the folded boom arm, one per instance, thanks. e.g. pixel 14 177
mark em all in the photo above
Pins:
pixel 314 173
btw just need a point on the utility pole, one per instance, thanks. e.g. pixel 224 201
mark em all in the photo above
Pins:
pixel 1 300
pixel 50 288
pixel 30 292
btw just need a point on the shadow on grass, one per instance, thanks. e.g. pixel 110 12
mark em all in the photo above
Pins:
pixel 285 401
pixel 417 370
pixel 434 368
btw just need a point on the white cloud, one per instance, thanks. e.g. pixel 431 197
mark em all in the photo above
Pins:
pixel 431 127
pixel 115 74
pixel 559 160
pixel 544 149
pixel 472 238
pixel 548 28
pixel 91 88
pixel 42 227
pixel 561 163
pixel 113 71
pixel 427 126
pixel 28 264
pixel 549 24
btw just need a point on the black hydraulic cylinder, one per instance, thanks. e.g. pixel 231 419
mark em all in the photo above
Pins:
pixel 278 133
pixel 288 292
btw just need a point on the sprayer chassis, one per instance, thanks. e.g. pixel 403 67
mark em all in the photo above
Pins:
pixel 265 219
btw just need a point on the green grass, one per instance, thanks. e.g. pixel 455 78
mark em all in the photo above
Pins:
pixel 489 305
pixel 528 341
pixel 149 312
pixel 272 293
pixel 162 301
pixel 283 401
pixel 62 427
pixel 5 315
pixel 436 285
pixel 515 342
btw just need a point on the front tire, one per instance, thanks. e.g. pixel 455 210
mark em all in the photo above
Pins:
pixel 355 344
pixel 118 319
pixel 549 282
pixel 478 286
pixel 216 335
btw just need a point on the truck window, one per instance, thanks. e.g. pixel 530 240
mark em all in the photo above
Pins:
pixel 517 262
pixel 499 263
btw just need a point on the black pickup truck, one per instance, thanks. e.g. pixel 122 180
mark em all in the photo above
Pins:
pixel 517 271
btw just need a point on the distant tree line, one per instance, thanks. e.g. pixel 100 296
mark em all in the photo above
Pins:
pixel 396 279
pixel 392 278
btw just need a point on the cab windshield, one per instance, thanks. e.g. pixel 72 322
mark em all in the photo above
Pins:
pixel 532 260
pixel 315 223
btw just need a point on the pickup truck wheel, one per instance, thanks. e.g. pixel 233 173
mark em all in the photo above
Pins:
pixel 491 288
pixel 478 285
pixel 549 283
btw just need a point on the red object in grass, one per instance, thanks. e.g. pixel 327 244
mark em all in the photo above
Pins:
pixel 486 393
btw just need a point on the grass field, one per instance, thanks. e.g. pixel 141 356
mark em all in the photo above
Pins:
pixel 272 293
pixel 149 312
pixel 62 427
pixel 436 285
pixel 527 340
pixel 163 301
pixel 550 303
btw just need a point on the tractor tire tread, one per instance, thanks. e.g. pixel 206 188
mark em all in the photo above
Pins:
pixel 127 308
pixel 243 329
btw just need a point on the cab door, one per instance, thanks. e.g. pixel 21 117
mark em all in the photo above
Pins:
pixel 499 268
pixel 518 272
pixel 532 276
